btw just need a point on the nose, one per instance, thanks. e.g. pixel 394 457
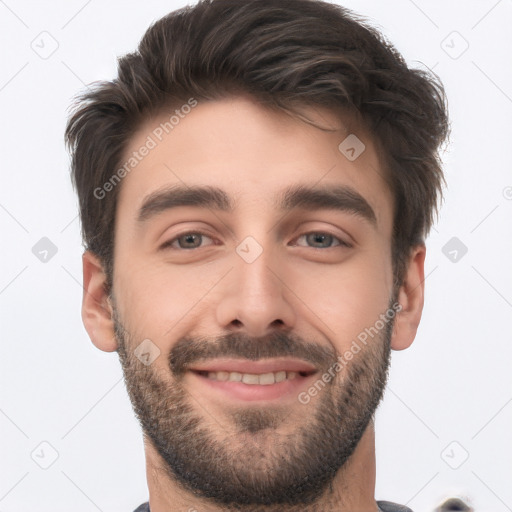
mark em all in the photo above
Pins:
pixel 255 297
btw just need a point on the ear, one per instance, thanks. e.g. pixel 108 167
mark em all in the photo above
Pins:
pixel 410 297
pixel 96 308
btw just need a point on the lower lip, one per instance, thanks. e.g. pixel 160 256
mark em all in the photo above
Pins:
pixel 289 388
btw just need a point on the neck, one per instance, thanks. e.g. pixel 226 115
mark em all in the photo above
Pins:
pixel 352 488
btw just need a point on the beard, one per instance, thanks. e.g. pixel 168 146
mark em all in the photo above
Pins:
pixel 253 458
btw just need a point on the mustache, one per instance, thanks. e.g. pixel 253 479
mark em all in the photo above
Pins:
pixel 188 351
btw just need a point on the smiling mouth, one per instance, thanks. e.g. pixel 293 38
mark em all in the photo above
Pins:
pixel 264 372
pixel 261 379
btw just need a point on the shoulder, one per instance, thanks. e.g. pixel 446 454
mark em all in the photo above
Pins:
pixel 387 506
pixel 143 508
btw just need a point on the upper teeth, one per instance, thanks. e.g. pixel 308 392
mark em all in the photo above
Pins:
pixel 252 378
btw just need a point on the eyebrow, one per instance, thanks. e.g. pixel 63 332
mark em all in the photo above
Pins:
pixel 332 197
pixel 181 195
pixel 340 198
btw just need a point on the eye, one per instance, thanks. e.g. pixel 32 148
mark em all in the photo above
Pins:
pixel 187 241
pixel 321 240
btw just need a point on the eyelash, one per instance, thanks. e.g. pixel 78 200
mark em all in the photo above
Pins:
pixel 341 243
pixel 168 244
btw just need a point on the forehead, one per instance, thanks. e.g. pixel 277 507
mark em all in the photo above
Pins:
pixel 252 153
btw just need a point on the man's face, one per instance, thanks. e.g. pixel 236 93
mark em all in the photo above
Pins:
pixel 249 306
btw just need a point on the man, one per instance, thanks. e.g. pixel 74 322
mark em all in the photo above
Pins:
pixel 255 189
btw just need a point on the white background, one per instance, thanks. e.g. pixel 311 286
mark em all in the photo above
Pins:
pixel 453 384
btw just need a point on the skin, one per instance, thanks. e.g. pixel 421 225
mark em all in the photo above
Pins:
pixel 327 296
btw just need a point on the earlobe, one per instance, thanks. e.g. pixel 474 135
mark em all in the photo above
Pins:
pixel 411 298
pixel 97 313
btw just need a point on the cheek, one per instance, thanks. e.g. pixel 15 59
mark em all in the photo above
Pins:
pixel 346 298
pixel 158 300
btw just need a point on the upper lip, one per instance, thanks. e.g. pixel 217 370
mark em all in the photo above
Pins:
pixel 248 366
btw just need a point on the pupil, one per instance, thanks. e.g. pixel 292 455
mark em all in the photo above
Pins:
pixel 319 237
pixel 190 238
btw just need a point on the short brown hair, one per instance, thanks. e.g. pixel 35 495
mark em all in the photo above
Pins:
pixel 285 54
